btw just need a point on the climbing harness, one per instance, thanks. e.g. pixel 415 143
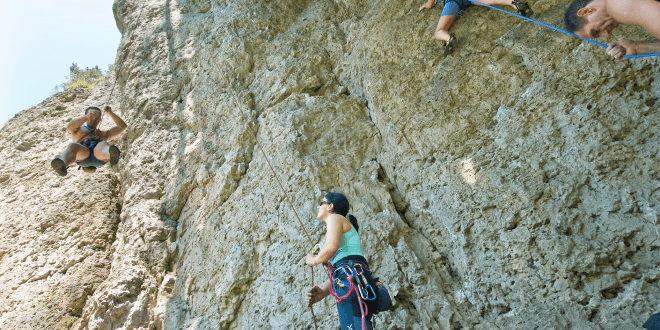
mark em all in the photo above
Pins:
pixel 352 288
pixel 247 124
pixel 560 30
pixel 91 130
pixel 365 290
pixel 357 283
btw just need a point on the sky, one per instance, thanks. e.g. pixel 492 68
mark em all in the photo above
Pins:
pixel 40 39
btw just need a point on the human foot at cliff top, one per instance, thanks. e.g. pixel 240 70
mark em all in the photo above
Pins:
pixel 597 18
pixel 453 8
pixel 90 149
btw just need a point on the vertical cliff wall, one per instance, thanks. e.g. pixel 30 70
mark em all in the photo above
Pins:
pixel 513 184
pixel 57 233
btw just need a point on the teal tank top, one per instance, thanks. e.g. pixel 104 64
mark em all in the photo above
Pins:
pixel 350 245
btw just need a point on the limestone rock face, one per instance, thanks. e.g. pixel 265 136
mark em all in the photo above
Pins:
pixel 512 185
pixel 57 233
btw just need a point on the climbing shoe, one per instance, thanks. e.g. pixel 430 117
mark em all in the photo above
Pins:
pixel 449 45
pixel 114 155
pixel 59 166
pixel 522 8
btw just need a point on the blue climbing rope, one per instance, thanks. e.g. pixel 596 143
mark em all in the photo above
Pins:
pixel 560 30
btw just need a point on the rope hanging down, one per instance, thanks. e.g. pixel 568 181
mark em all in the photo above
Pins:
pixel 113 88
pixel 115 83
pixel 247 124
pixel 560 30
pixel 117 71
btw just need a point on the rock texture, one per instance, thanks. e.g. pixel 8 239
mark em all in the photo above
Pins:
pixel 511 185
pixel 57 233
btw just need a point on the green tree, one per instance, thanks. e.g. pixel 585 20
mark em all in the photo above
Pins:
pixel 87 77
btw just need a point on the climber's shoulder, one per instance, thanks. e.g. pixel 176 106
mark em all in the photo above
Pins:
pixel 635 12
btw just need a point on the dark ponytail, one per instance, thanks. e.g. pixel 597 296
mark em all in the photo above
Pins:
pixel 341 206
pixel 353 221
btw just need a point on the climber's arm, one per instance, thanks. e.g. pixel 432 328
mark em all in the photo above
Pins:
pixel 629 47
pixel 74 126
pixel 118 129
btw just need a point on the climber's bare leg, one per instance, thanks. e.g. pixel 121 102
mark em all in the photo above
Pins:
pixel 102 151
pixel 442 31
pixel 498 3
pixel 74 152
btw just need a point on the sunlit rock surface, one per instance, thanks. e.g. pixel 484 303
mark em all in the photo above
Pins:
pixel 56 233
pixel 511 185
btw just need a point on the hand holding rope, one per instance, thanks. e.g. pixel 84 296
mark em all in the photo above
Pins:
pixel 560 30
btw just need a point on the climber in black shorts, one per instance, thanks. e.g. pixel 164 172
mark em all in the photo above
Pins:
pixel 90 149
pixel 454 7
pixel 597 18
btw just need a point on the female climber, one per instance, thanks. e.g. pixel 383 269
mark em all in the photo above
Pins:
pixel 351 282
pixel 453 8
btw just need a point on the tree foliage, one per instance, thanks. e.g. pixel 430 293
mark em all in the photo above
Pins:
pixel 87 77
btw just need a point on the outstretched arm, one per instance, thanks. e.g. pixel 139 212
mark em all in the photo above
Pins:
pixel 120 125
pixel 644 13
pixel 648 47
pixel 74 126
pixel 629 47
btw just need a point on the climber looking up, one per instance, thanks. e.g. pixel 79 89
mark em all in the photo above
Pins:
pixel 343 250
pixel 453 8
pixel 597 18
pixel 90 149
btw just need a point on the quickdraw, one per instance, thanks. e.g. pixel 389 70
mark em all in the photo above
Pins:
pixel 365 289
pixel 354 286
